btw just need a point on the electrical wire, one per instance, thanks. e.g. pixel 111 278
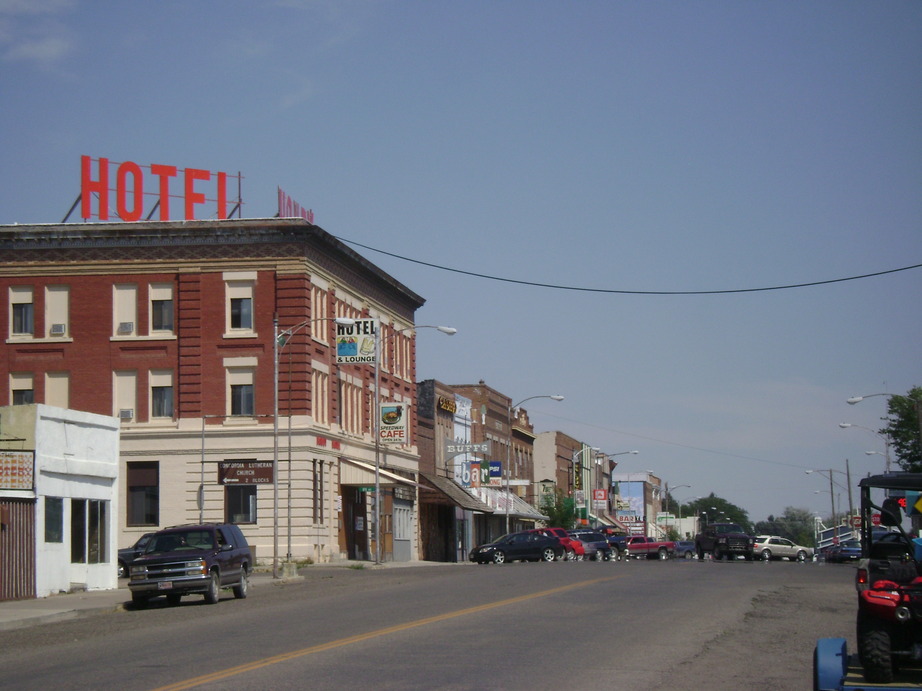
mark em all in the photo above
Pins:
pixel 553 286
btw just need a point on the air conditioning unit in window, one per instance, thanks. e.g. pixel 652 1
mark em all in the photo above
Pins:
pixel 126 413
pixel 126 327
pixel 58 329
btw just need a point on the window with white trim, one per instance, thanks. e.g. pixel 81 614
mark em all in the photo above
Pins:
pixel 320 327
pixel 320 392
pixel 57 309
pixel 22 312
pixel 240 394
pixel 161 394
pixel 239 307
pixel 125 395
pixel 124 310
pixel 57 389
pixel 161 308
pixel 350 407
pixel 22 388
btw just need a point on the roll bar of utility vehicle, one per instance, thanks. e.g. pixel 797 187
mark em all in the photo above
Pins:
pixel 901 482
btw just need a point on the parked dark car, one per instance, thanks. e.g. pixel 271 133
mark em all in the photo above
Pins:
pixel 845 551
pixel 685 549
pixel 573 548
pixel 191 559
pixel 528 545
pixel 127 554
pixel 595 544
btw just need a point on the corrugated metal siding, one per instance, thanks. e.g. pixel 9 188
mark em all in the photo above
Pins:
pixel 17 549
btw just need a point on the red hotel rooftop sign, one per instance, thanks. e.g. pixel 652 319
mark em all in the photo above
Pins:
pixel 127 185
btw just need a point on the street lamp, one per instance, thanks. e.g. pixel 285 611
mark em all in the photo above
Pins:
pixel 508 498
pixel 917 403
pixel 448 330
pixel 279 341
pixel 886 438
pixel 848 480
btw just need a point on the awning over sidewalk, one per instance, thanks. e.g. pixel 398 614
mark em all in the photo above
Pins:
pixel 454 493
pixel 500 501
pixel 360 473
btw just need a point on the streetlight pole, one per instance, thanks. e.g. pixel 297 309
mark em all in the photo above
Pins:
pixel 276 349
pixel 508 469
pixel 916 403
pixel 848 480
pixel 886 438
pixel 450 331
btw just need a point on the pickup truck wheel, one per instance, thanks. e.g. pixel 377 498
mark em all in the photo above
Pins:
pixel 663 555
pixel 718 554
pixel 213 594
pixel 139 601
pixel 689 554
pixel 241 589
pixel 173 599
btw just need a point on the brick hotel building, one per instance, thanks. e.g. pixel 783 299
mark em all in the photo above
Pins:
pixel 169 327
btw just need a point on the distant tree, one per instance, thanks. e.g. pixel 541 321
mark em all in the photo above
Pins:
pixel 794 524
pixel 559 509
pixel 904 428
pixel 717 510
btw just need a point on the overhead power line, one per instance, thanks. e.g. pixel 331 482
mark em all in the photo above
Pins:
pixel 555 286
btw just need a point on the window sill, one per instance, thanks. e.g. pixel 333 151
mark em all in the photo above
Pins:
pixel 21 340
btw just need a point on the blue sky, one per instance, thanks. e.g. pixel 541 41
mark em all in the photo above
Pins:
pixel 671 147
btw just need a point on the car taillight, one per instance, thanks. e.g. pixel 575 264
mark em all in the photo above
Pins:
pixel 861 577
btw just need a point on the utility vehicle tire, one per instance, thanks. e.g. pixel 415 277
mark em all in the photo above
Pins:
pixel 139 601
pixel 874 651
pixel 718 553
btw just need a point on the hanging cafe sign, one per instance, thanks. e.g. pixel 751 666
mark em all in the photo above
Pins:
pixel 128 184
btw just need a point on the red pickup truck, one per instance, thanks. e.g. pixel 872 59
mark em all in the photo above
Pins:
pixel 638 546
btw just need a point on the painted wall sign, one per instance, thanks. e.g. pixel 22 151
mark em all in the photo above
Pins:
pixel 289 208
pixel 126 183
pixel 17 470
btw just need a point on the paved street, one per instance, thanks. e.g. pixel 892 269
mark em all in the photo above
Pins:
pixel 518 626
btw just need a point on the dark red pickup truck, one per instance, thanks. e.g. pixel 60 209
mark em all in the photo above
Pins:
pixel 638 546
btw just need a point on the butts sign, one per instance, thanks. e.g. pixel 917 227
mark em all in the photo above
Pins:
pixel 126 183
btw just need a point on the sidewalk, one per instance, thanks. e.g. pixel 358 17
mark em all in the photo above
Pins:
pixel 18 614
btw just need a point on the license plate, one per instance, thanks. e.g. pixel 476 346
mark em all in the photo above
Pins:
pixel 165 585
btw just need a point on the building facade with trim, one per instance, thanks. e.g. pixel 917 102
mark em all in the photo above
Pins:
pixel 171 327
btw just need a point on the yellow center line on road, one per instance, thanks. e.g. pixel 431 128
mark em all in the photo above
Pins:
pixel 284 657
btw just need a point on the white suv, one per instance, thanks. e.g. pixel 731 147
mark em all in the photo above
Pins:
pixel 768 547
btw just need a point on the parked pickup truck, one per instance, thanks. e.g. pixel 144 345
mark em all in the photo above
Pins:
pixel 640 547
